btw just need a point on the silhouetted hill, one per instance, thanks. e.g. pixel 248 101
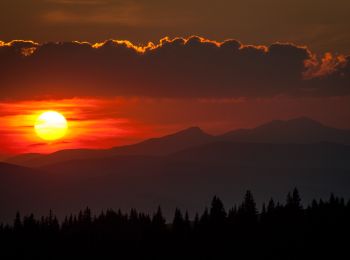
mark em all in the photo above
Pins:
pixel 181 170
pixel 184 179
pixel 299 130
pixel 22 188
pixel 23 159
pixel 8 170
pixel 260 155
pixel 189 137
pixel 156 146
pixel 80 169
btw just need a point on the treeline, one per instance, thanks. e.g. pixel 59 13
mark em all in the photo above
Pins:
pixel 278 231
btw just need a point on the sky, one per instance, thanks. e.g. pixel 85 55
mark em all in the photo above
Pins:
pixel 323 25
pixel 123 71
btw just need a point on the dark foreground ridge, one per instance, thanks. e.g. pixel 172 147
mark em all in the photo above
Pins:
pixel 277 231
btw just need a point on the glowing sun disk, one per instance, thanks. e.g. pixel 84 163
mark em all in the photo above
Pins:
pixel 51 126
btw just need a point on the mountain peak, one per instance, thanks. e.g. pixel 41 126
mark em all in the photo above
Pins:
pixel 191 130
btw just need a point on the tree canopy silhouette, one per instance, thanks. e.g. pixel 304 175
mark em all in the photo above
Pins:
pixel 287 231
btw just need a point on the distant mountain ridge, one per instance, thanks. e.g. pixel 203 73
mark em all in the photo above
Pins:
pixel 299 130
pixel 182 170
pixel 183 139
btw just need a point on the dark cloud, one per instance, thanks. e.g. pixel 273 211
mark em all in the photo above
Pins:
pixel 192 67
pixel 45 144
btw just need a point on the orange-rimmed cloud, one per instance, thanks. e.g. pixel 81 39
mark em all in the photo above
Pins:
pixel 178 67
pixel 324 66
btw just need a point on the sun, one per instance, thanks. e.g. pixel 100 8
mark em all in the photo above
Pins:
pixel 51 126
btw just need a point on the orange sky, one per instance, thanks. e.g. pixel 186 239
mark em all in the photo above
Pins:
pixel 91 124
pixel 108 122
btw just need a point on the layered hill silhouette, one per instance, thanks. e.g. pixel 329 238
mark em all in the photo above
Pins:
pixel 182 170
pixel 152 147
pixel 299 130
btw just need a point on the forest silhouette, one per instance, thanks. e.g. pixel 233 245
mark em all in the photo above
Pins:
pixel 286 230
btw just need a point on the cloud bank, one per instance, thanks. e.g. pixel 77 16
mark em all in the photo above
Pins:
pixel 178 67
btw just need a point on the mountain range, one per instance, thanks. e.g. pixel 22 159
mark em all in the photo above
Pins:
pixel 296 131
pixel 183 170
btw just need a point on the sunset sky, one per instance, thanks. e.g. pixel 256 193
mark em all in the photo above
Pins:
pixel 323 25
pixel 123 71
